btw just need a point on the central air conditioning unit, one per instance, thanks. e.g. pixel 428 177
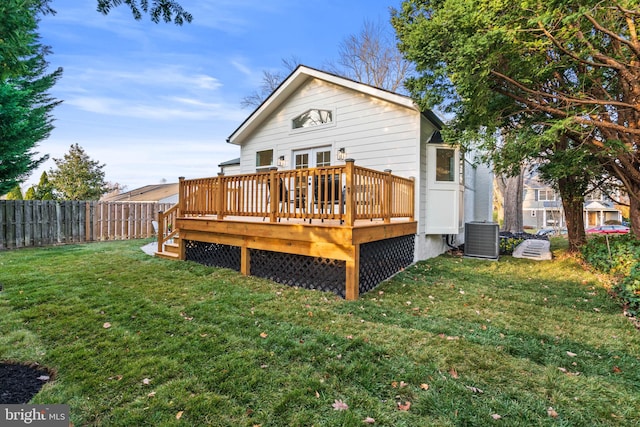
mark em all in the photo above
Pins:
pixel 481 240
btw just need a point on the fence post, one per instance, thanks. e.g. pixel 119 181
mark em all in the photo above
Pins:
pixel 350 206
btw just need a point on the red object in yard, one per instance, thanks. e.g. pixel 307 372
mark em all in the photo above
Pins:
pixel 608 229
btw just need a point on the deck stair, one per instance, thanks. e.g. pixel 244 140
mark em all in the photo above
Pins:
pixel 171 249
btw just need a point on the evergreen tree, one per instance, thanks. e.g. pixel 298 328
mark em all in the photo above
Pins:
pixel 564 68
pixel 44 189
pixel 30 194
pixel 77 177
pixel 25 105
pixel 15 193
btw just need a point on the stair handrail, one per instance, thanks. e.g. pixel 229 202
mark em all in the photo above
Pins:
pixel 167 225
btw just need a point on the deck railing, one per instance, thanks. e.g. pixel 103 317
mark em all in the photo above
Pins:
pixel 345 193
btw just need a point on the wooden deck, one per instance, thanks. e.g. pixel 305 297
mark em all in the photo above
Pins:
pixel 303 219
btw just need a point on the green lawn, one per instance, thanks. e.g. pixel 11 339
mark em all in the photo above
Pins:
pixel 464 341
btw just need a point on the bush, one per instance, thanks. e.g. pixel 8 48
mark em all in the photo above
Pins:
pixel 623 263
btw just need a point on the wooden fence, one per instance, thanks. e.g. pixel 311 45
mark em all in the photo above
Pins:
pixel 45 222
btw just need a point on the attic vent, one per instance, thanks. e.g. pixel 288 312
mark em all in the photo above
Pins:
pixel 481 240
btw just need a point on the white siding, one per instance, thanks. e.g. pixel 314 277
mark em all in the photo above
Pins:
pixel 377 134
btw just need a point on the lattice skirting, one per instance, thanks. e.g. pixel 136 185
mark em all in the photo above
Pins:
pixel 378 261
pixel 299 270
pixel 382 259
pixel 213 254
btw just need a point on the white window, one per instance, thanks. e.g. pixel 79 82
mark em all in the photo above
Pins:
pixel 546 195
pixel 264 160
pixel 313 117
pixel 445 165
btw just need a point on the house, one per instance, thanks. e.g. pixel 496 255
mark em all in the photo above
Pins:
pixel 317 119
pixel 230 167
pixel 600 210
pixel 161 193
pixel 542 207
pixel 352 178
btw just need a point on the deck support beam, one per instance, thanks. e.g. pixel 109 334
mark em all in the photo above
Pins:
pixel 352 279
pixel 245 261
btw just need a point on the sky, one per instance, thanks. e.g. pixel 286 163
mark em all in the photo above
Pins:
pixel 157 101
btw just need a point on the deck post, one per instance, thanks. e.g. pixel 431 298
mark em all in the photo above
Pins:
pixel 352 282
pixel 245 261
pixel 222 193
pixel 273 195
pixel 181 195
pixel 350 206
pixel 387 204
pixel 412 199
pixel 160 235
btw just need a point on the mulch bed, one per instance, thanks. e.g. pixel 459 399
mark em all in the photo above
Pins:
pixel 19 383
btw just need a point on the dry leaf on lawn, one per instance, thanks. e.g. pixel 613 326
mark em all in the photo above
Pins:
pixel 405 406
pixel 179 415
pixel 424 386
pixel 453 373
pixel 495 416
pixel 264 334
pixel 146 381
pixel 369 420
pixel 570 354
pixel 552 413
pixel 339 405
pixel 106 325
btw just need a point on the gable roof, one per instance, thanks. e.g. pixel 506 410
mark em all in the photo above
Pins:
pixel 148 193
pixel 303 74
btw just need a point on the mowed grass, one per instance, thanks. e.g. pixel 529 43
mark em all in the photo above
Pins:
pixel 464 341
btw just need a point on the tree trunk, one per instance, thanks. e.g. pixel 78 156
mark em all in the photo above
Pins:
pixel 573 204
pixel 513 189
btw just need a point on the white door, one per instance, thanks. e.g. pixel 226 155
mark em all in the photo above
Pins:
pixel 304 159
pixel 312 158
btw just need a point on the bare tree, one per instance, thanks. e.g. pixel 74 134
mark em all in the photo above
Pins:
pixel 372 57
pixel 270 82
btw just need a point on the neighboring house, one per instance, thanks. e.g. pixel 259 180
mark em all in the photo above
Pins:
pixel 600 210
pixel 161 193
pixel 317 119
pixel 230 167
pixel 542 207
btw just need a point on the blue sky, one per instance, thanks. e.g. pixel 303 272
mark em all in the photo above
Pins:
pixel 157 101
